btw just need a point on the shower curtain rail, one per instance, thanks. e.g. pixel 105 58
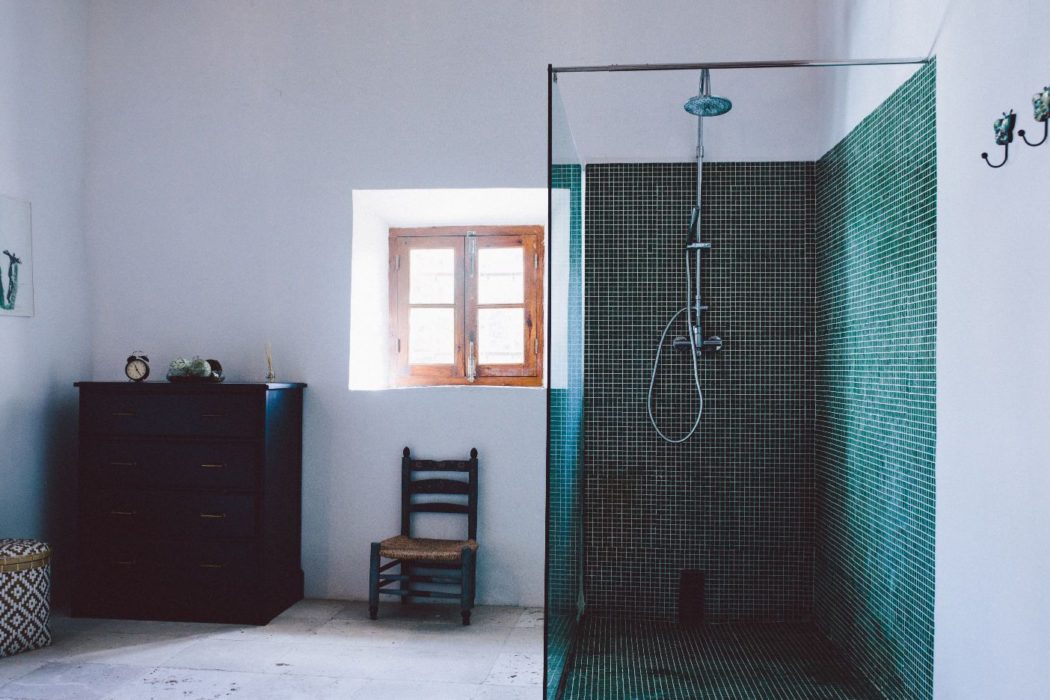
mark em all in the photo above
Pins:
pixel 729 65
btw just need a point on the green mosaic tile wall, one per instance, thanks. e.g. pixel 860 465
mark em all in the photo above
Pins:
pixel 875 391
pixel 736 500
pixel 565 421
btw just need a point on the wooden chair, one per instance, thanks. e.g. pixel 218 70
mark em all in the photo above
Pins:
pixel 458 558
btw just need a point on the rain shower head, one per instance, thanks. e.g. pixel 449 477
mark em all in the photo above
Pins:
pixel 705 104
pixel 708 106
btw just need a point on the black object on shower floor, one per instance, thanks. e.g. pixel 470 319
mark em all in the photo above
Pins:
pixel 641 660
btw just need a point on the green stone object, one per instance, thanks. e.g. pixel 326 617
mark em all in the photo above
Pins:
pixel 196 369
pixel 1041 105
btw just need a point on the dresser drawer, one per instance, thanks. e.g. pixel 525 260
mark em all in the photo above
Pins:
pixel 210 414
pixel 172 565
pixel 206 517
pixel 125 516
pixel 211 563
pixel 130 463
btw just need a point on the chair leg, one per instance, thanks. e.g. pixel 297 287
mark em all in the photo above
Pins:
pixel 373 583
pixel 406 569
pixel 466 600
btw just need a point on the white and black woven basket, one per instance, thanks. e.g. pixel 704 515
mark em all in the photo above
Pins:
pixel 25 596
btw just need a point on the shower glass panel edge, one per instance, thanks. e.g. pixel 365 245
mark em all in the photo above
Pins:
pixel 564 564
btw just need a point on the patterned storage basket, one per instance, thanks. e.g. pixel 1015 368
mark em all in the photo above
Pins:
pixel 25 596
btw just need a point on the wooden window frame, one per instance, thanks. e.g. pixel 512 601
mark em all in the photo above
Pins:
pixel 466 241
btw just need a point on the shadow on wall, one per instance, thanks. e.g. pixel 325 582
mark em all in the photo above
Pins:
pixel 317 486
pixel 40 482
pixel 59 490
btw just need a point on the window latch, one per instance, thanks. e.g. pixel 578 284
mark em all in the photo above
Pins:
pixel 472 365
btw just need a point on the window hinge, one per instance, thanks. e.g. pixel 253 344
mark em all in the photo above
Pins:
pixel 397 263
pixel 472 250
pixel 535 261
pixel 397 344
pixel 536 346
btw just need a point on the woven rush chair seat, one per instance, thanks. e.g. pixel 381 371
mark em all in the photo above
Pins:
pixel 25 595
pixel 422 549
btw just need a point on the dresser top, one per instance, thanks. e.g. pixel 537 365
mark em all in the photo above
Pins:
pixel 190 387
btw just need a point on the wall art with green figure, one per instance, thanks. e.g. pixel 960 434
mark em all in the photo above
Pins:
pixel 16 269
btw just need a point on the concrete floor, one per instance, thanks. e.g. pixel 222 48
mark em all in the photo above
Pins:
pixel 317 649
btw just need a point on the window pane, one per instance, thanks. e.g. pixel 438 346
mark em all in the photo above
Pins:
pixel 431 336
pixel 500 276
pixel 501 336
pixel 432 276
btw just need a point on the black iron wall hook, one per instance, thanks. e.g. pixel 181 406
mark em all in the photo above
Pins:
pixel 1046 131
pixel 1006 157
pixel 1004 136
pixel 1041 110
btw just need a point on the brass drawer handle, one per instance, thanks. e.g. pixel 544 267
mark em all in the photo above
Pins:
pixel 124 562
pixel 123 414
pixel 216 465
pixel 123 464
pixel 213 516
pixel 212 566
pixel 122 512
pixel 213 415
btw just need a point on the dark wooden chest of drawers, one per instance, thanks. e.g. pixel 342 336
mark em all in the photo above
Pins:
pixel 190 501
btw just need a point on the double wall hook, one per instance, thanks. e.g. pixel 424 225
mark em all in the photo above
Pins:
pixel 1041 110
pixel 1004 136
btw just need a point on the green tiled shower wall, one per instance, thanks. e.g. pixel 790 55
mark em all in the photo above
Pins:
pixel 565 416
pixel 736 500
pixel 875 391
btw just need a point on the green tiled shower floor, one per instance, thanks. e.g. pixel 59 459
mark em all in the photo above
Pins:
pixel 639 660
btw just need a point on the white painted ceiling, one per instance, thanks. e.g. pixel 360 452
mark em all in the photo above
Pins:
pixel 779 114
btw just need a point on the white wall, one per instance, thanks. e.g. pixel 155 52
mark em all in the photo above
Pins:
pixel 993 543
pixel 993 379
pixel 224 141
pixel 870 30
pixel 42 82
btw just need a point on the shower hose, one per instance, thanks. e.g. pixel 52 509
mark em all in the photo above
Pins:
pixel 692 354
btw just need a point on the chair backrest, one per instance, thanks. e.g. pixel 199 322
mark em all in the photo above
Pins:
pixel 435 487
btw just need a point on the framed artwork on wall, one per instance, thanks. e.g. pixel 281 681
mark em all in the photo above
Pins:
pixel 16 258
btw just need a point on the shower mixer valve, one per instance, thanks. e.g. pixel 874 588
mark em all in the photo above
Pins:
pixel 704 346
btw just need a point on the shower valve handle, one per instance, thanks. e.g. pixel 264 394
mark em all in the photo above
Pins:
pixel 711 344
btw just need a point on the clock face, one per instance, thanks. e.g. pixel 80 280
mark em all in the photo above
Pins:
pixel 137 370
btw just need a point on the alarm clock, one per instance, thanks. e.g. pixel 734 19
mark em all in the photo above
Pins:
pixel 137 368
